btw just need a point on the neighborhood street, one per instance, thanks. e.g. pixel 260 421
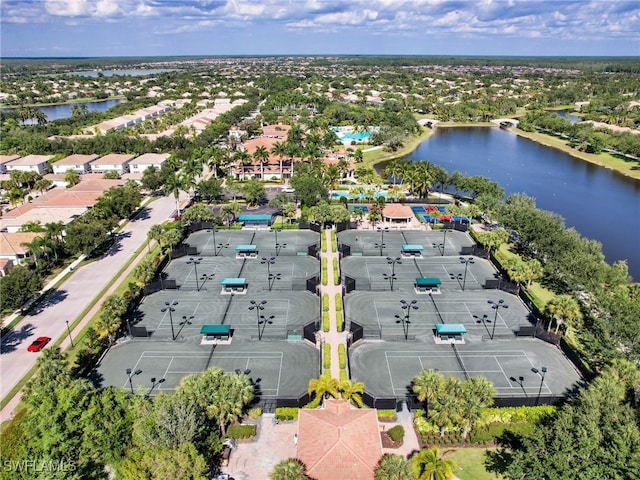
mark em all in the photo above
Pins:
pixel 74 295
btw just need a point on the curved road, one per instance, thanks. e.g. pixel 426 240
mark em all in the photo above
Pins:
pixel 74 295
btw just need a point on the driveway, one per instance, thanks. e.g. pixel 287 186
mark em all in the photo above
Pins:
pixel 74 295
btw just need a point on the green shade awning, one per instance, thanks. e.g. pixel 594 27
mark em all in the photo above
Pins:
pixel 427 281
pixel 246 248
pixel 247 217
pixel 411 248
pixel 450 329
pixel 215 330
pixel 233 282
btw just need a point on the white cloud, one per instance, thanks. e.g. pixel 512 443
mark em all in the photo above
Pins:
pixel 106 8
pixel 67 8
pixel 144 10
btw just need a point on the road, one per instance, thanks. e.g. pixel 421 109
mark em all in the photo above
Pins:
pixel 74 296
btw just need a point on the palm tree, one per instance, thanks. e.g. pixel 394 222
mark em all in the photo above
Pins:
pixel 174 184
pixel 289 469
pixel 427 384
pixel 279 149
pixel 54 232
pixel 155 233
pixel 324 386
pixel 261 155
pixel 352 392
pixel 563 309
pixel 230 211
pixel 429 465
pixel 242 159
pixel 478 395
pixel 216 159
pixel 393 467
pixel 72 178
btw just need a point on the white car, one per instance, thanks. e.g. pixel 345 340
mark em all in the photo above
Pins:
pixel 288 190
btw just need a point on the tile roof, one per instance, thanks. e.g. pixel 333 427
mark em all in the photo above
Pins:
pixel 114 159
pixel 76 159
pixel 338 442
pixel 31 160
pixel 11 243
pixel 397 210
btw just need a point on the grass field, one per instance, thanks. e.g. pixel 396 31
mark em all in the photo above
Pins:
pixel 470 463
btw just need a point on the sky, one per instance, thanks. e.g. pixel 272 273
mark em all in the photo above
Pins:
pixel 89 28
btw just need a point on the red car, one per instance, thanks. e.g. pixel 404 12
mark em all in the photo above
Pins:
pixel 38 344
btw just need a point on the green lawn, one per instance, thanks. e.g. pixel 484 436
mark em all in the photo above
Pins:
pixel 470 463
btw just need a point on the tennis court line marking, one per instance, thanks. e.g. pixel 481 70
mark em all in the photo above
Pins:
pixel 168 367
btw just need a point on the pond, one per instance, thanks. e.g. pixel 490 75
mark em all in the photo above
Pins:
pixel 599 203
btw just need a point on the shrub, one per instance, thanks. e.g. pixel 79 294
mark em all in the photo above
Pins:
pixel 424 426
pixel 334 241
pixel 336 272
pixel 480 436
pixel 343 375
pixel 287 413
pixel 255 412
pixel 326 323
pixel 323 244
pixel 340 321
pixel 339 302
pixel 326 357
pixel 342 356
pixel 387 414
pixel 241 431
pixel 325 302
pixel 396 433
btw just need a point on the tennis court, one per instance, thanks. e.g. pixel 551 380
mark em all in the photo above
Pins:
pixel 383 314
pixel 277 369
pixel 372 273
pixel 268 242
pixel 368 243
pixel 508 364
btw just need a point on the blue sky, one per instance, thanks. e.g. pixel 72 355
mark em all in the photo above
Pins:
pixel 49 28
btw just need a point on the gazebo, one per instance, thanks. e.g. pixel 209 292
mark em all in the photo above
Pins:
pixel 246 251
pixel 427 285
pixel 231 286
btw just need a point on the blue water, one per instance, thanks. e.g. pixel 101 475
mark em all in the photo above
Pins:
pixel 111 73
pixel 336 194
pixel 599 203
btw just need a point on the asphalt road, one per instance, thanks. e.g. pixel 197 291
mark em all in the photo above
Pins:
pixel 74 296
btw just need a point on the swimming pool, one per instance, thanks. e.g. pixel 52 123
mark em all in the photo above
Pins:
pixel 336 194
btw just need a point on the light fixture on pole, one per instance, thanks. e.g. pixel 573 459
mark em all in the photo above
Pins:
pixel 258 307
pixel 204 277
pixel 279 246
pixel 69 332
pixel 130 374
pixel 195 262
pixel 405 319
pixel 381 245
pixel 542 373
pixel 496 306
pixel 268 262
pixel 169 307
pixel 392 277
pixel 520 381
pixel 466 262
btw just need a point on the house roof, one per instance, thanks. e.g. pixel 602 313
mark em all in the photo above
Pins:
pixel 95 183
pixel 114 159
pixel 8 158
pixel 76 159
pixel 30 160
pixel 338 442
pixel 11 243
pixel 280 131
pixel 151 159
pixel 396 210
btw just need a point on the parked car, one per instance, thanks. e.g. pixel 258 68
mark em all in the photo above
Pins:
pixel 288 190
pixel 38 344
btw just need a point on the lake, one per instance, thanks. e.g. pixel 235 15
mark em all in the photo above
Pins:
pixel 599 203
pixel 111 73
pixel 54 112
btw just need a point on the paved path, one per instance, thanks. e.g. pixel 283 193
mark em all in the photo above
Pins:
pixel 72 298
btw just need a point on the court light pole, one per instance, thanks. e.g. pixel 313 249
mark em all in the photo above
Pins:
pixel 496 306
pixel 169 307
pixel 213 231
pixel 444 240
pixel 69 332
pixel 279 246
pixel 268 262
pixel 466 262
pixel 258 307
pixel 405 319
pixel 195 262
pixel 520 381
pixel 542 373
pixel 381 245
pixel 130 374
pixel 392 277
pixel 204 277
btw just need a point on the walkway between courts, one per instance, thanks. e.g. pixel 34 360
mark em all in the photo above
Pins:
pixel 332 337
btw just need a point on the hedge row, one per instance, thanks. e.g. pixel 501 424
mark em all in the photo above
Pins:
pixel 325 302
pixel 342 356
pixel 326 323
pixel 287 413
pixel 241 431
pixel 339 302
pixel 325 281
pixel 343 375
pixel 340 321
pixel 326 357
pixel 336 272
pixel 323 244
pixel 334 241
pixel 387 414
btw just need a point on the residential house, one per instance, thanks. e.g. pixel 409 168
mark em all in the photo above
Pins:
pixel 76 162
pixel 141 163
pixel 114 161
pixel 4 159
pixel 12 246
pixel 30 163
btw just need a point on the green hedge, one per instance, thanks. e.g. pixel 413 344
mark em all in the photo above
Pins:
pixel 334 241
pixel 287 413
pixel 339 302
pixel 396 433
pixel 326 357
pixel 387 414
pixel 325 280
pixel 326 323
pixel 343 376
pixel 340 321
pixel 241 431
pixel 325 302
pixel 336 272
pixel 323 243
pixel 342 356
